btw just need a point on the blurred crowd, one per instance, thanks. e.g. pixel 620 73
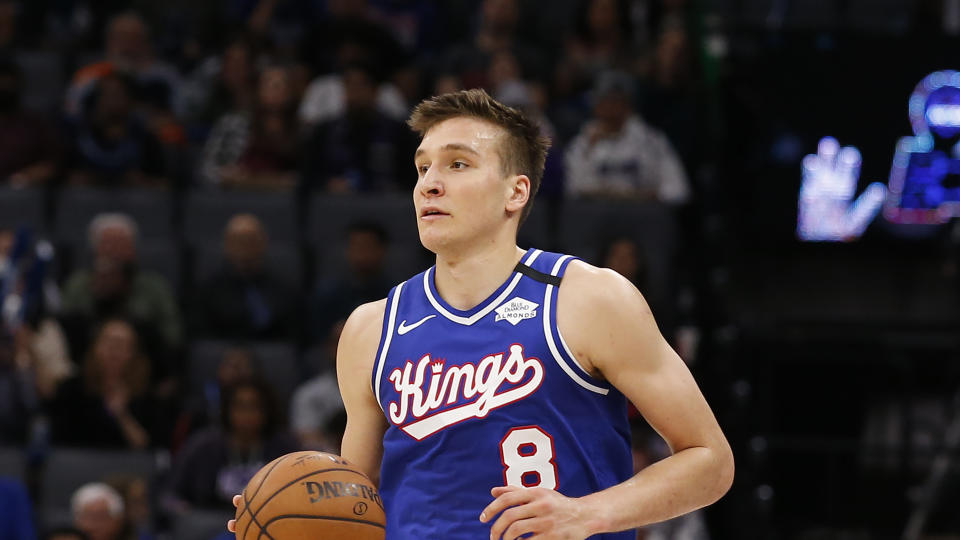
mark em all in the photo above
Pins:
pixel 312 94
pixel 305 97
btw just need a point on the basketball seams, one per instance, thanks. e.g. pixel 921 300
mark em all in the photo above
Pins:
pixel 246 502
pixel 264 479
pixel 328 518
pixel 267 517
pixel 253 519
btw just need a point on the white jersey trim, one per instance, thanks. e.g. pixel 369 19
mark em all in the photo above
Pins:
pixel 386 342
pixel 552 344
pixel 428 275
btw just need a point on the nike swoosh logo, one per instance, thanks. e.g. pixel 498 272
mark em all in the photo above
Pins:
pixel 403 328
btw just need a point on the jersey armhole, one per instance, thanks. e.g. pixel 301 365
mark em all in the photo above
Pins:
pixel 558 347
pixel 386 336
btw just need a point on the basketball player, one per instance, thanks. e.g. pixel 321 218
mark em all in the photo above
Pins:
pixel 488 395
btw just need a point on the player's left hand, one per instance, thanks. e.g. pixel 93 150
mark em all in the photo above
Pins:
pixel 543 512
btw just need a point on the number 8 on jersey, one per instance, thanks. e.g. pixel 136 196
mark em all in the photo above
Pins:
pixel 528 458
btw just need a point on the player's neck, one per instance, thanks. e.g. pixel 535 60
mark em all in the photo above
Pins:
pixel 468 278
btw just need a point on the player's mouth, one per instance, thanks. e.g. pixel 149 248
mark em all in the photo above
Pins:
pixel 431 213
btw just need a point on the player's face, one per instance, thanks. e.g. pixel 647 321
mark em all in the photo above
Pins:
pixel 462 194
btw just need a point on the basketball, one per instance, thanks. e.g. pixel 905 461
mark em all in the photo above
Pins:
pixel 306 495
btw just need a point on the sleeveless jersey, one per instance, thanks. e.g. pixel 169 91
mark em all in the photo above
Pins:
pixel 488 397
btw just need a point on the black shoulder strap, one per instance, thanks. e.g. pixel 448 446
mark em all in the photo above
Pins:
pixel 537 275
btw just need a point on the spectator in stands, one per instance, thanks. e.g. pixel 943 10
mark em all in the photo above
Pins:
pixel 221 85
pixel 109 144
pixel 33 351
pixel 32 364
pixel 362 149
pixel 364 280
pixel 18 399
pixel 446 83
pixel 8 26
pixel 256 149
pixel 98 511
pixel 603 39
pixel 622 255
pixel 245 299
pixel 115 285
pixel 29 145
pixel 16 515
pixel 203 406
pixel 110 405
pixel 65 533
pixel 217 462
pixel 510 88
pixel 39 345
pixel 617 155
pixel 350 33
pixel 317 405
pixel 128 49
pixel 499 29
pixel 672 96
pixel 40 348
pixel 327 96
pixel 138 517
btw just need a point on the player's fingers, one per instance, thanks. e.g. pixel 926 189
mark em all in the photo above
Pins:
pixel 508 519
pixel 500 490
pixel 522 527
pixel 501 503
pixel 232 525
pixel 236 501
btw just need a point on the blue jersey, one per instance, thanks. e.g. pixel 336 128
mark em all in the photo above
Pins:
pixel 488 397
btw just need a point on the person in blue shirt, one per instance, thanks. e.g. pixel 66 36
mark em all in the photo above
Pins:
pixel 16 521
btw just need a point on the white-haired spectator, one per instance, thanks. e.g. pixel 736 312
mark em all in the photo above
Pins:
pixel 114 234
pixel 115 286
pixel 98 511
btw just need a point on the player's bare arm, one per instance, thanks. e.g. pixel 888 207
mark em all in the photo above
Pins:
pixel 356 355
pixel 363 438
pixel 609 327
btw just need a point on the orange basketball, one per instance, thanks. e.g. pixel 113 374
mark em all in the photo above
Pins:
pixel 310 495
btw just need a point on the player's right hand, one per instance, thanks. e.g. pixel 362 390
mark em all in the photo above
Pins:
pixel 232 524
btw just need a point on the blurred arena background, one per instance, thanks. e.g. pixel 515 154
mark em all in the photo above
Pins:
pixel 193 195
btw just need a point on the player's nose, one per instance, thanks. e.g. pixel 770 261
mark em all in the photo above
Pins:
pixel 431 184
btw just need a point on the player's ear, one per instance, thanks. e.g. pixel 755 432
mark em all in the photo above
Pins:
pixel 518 192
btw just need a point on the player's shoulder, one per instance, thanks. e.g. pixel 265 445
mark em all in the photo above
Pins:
pixel 361 336
pixel 594 292
pixel 365 320
pixel 593 283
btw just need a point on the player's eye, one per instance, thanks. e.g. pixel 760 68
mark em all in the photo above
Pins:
pixel 422 168
pixel 459 165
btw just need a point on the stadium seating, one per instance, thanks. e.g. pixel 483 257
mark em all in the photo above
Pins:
pixel 12 463
pixel 276 362
pixel 282 260
pixel 43 79
pixel 67 469
pixel 21 207
pixel 205 214
pixel 77 206
pixel 200 524
pixel 328 218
